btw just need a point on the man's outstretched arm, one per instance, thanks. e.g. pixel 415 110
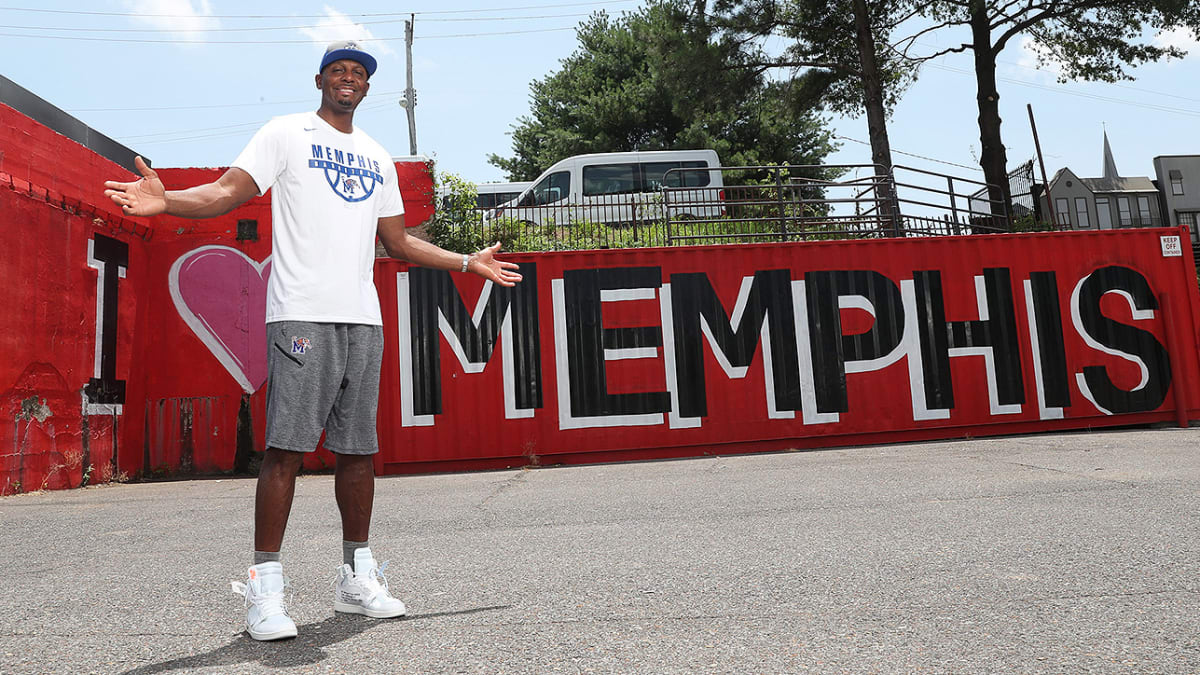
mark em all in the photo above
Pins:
pixel 148 196
pixel 484 263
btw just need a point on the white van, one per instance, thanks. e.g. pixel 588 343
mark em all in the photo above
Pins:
pixel 623 187
pixel 491 195
pixel 487 195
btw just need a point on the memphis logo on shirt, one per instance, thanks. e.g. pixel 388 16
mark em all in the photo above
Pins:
pixel 352 177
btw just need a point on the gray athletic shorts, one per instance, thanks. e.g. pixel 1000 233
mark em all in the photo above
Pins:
pixel 323 376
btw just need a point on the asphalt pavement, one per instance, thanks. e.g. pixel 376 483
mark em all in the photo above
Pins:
pixel 1055 553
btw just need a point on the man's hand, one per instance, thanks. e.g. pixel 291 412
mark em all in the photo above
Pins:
pixel 484 264
pixel 144 197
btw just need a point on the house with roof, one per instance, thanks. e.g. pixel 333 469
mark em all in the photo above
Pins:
pixel 1104 203
pixel 1179 186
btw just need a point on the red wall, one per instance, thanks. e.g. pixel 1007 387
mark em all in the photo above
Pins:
pixel 596 406
pixel 598 355
pixel 192 402
pixel 181 409
pixel 51 208
pixel 204 407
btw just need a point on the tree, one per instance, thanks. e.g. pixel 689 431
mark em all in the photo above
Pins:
pixel 1089 39
pixel 837 44
pixel 656 80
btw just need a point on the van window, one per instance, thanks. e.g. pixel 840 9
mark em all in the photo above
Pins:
pixel 611 179
pixel 550 189
pixel 655 171
pixel 487 200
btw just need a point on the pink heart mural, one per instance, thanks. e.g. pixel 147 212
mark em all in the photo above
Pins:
pixel 221 294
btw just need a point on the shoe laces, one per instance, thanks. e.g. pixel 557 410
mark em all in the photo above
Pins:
pixel 269 604
pixel 374 581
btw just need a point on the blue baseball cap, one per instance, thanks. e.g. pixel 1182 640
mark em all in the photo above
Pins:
pixel 348 49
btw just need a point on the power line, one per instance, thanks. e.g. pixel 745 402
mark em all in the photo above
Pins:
pixel 392 93
pixel 214 105
pixel 310 16
pixel 374 105
pixel 277 28
pixel 271 42
pixel 1111 84
pixel 219 132
pixel 910 154
pixel 511 32
pixel 1095 97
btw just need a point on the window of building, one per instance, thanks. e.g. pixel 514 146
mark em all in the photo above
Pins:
pixel 1081 213
pixel 1124 215
pixel 1176 177
pixel 1144 211
pixel 1063 208
pixel 1103 213
pixel 1189 218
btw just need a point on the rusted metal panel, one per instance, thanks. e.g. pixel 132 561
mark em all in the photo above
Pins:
pixel 184 435
pixel 670 352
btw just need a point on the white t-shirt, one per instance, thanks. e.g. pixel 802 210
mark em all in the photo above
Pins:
pixel 330 189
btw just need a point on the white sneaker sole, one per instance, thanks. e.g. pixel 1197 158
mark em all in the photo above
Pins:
pixel 277 635
pixel 373 613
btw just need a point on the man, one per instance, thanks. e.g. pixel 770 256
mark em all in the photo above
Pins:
pixel 335 189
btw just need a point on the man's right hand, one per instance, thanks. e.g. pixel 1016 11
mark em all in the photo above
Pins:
pixel 144 197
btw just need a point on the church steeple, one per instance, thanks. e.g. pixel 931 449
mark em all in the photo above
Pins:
pixel 1110 165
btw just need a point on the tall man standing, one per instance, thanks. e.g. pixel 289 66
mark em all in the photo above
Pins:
pixel 335 189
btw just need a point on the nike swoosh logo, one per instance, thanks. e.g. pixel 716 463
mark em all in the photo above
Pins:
pixel 310 128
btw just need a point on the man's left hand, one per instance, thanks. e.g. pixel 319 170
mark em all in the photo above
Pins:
pixel 485 264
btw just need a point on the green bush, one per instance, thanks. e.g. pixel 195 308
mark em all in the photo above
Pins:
pixel 457 224
pixel 1029 223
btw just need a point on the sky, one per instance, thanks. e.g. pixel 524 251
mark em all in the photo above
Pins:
pixel 187 82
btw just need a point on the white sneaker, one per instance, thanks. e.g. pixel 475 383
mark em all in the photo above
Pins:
pixel 364 590
pixel 266 617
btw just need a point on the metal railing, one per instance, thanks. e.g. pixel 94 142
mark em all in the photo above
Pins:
pixel 749 204
pixel 1140 221
pixel 783 203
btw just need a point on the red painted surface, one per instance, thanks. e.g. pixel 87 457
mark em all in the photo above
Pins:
pixel 415 177
pixel 50 210
pixel 472 429
pixel 187 340
pixel 181 408
pixel 32 153
pixel 189 366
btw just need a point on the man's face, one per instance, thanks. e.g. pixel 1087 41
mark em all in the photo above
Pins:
pixel 343 84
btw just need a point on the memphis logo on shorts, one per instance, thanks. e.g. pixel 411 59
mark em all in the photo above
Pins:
pixel 300 345
pixel 352 177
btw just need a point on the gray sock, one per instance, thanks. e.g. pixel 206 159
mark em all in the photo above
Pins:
pixel 261 557
pixel 348 548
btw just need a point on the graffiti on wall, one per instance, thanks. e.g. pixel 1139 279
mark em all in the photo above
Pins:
pixel 1021 330
pixel 692 347
pixel 104 392
pixel 220 293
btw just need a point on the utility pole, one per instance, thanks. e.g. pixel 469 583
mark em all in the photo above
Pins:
pixel 409 102
pixel 1038 146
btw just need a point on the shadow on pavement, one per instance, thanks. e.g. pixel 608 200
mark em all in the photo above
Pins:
pixel 305 649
